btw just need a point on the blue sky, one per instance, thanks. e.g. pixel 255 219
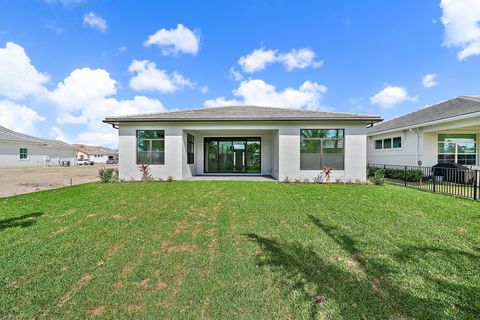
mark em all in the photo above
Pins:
pixel 66 64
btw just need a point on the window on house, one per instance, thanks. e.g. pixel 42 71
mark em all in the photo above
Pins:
pixel 320 148
pixel 397 142
pixel 190 148
pixel 388 143
pixel 150 147
pixel 23 153
pixel 457 148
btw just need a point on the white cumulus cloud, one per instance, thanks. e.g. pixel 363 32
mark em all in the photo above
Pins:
pixel 461 19
pixel 18 77
pixel 86 96
pixel 390 96
pixel 299 59
pixel 429 80
pixel 257 60
pixel 18 117
pixel 258 92
pixel 95 21
pixel 149 78
pixel 174 41
pixel 294 59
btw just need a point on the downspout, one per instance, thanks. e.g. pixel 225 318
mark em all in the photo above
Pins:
pixel 418 146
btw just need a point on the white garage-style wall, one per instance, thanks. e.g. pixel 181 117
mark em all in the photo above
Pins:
pixel 280 147
pixel 38 155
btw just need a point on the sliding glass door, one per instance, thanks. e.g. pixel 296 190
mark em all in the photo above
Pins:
pixel 232 155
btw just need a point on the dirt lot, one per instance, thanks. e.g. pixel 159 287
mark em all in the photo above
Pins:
pixel 24 180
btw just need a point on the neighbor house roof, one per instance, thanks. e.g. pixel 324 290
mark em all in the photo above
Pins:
pixel 10 135
pixel 242 113
pixel 94 149
pixel 459 106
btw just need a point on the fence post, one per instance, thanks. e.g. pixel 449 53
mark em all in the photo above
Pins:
pixel 405 176
pixel 433 178
pixel 475 186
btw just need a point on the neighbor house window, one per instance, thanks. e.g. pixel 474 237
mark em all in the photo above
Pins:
pixel 457 148
pixel 320 148
pixel 190 149
pixel 388 143
pixel 150 147
pixel 23 153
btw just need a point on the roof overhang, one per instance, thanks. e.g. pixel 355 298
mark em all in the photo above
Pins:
pixel 117 121
pixel 427 123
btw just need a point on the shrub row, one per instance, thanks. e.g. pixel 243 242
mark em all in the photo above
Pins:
pixel 411 175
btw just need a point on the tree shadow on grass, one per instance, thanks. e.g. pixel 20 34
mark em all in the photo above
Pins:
pixel 22 221
pixel 365 290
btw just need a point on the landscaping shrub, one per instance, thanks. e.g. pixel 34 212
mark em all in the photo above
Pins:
pixel 107 175
pixel 379 177
pixel 412 175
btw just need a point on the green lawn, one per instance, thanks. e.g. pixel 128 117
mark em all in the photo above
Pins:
pixel 244 250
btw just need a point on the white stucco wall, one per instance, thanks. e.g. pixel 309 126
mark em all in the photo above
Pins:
pixel 37 155
pixel 280 147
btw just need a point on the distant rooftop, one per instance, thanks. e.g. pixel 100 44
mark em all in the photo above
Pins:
pixel 94 149
pixel 459 106
pixel 10 135
pixel 242 113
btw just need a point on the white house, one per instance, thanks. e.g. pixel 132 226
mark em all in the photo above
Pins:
pixel 21 150
pixel 243 140
pixel 448 131
pixel 96 154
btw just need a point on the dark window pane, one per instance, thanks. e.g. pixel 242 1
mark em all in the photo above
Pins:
pixel 378 144
pixel 150 134
pixel 158 157
pixel 253 156
pixel 321 133
pixel 332 146
pixel 310 146
pixel 310 153
pixel 158 145
pixel 397 142
pixel 143 145
pixel 387 143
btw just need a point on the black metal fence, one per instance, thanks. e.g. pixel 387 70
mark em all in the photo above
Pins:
pixel 455 182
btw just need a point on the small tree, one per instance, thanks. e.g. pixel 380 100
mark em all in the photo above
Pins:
pixel 145 170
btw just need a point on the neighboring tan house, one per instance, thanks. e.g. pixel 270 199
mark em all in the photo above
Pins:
pixel 243 140
pixel 22 150
pixel 448 131
pixel 96 154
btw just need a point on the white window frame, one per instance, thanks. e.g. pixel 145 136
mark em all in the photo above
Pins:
pixel 386 138
pixel 20 152
pixel 477 154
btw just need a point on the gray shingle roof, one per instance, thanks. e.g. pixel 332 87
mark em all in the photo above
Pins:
pixel 10 135
pixel 458 106
pixel 241 113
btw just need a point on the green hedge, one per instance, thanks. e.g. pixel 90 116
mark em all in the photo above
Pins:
pixel 412 175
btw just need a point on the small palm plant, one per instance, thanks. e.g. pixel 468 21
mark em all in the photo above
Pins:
pixel 327 172
pixel 145 170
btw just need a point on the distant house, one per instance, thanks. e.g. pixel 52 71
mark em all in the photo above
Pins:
pixel 446 132
pixel 243 140
pixel 96 154
pixel 22 150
